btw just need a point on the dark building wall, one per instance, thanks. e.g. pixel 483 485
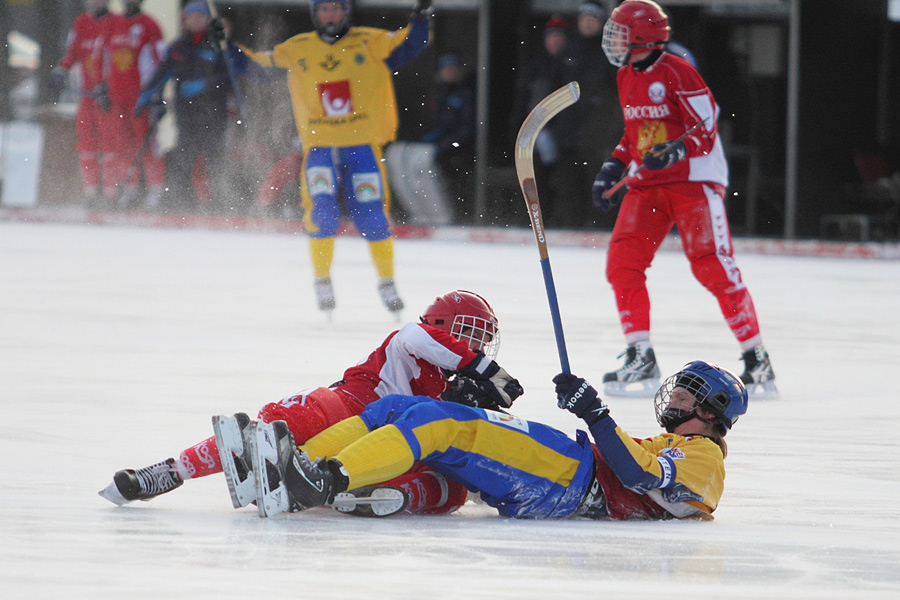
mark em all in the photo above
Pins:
pixel 840 46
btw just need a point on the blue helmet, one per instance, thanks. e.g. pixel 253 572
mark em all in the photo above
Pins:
pixel 331 30
pixel 714 388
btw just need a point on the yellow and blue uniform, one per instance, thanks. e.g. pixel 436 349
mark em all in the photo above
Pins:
pixel 345 112
pixel 526 469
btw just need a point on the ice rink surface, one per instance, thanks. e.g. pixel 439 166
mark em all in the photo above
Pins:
pixel 118 344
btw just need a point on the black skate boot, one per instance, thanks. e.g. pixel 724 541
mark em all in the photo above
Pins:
pixel 758 375
pixel 638 377
pixel 143 484
pixel 372 501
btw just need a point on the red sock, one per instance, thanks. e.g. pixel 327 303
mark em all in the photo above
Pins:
pixel 430 493
pixel 201 459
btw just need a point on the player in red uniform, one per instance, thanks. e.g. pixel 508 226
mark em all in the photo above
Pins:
pixel 458 333
pixel 679 176
pixel 129 54
pixel 90 121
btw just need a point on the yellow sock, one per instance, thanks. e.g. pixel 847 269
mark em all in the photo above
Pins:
pixel 321 250
pixel 334 439
pixel 383 257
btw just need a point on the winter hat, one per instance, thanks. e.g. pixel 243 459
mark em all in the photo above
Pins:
pixel 448 60
pixel 193 6
pixel 592 8
pixel 556 25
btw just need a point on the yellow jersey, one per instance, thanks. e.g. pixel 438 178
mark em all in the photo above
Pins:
pixel 342 93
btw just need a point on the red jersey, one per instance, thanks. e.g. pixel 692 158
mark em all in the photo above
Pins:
pixel 129 54
pixel 81 45
pixel 659 104
pixel 410 361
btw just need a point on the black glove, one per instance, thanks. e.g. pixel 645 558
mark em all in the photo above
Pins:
pixel 577 396
pixel 664 155
pixel 505 388
pixel 610 173
pixel 480 394
pixel 101 96
pixel 217 30
pixel 422 9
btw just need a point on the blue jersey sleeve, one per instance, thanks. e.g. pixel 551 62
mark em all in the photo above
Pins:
pixel 415 42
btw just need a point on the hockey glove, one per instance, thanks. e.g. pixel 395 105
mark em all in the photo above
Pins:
pixel 506 389
pixel 101 95
pixel 479 394
pixel 664 155
pixel 422 9
pixel 578 396
pixel 217 30
pixel 610 173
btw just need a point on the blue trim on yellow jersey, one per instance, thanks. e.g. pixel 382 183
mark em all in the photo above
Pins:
pixel 622 461
pixel 415 42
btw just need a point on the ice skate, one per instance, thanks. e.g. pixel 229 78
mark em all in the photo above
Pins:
pixel 143 484
pixel 758 375
pixel 325 294
pixel 388 290
pixel 233 442
pixel 639 377
pixel 372 501
pixel 271 448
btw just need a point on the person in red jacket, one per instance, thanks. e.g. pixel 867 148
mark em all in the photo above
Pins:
pixel 678 177
pixel 129 53
pixel 90 121
pixel 458 333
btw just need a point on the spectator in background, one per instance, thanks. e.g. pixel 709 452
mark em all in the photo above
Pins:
pixel 556 147
pixel 129 53
pixel 597 112
pixel 202 91
pixel 452 130
pixel 90 121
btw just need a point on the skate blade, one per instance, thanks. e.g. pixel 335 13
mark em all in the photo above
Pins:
pixel 381 502
pixel 645 388
pixel 230 443
pixel 111 493
pixel 264 457
pixel 762 391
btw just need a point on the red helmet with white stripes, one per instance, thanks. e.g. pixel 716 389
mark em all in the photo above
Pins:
pixel 467 317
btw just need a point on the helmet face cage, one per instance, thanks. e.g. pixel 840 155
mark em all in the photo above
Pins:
pixel 615 43
pixel 331 29
pixel 479 333
pixel 713 388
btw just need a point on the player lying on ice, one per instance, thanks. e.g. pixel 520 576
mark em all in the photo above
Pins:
pixel 522 468
pixel 459 333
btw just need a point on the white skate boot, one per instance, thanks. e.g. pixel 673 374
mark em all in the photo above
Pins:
pixel 388 290
pixel 233 442
pixel 324 294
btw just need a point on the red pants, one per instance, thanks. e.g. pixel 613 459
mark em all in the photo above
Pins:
pixel 93 145
pixel 645 218
pixel 132 152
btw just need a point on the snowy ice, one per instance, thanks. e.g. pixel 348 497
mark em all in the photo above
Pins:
pixel 117 344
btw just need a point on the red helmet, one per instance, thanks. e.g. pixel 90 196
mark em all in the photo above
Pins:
pixel 634 25
pixel 467 317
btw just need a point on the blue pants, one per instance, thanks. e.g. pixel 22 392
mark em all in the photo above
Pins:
pixel 354 173
pixel 522 468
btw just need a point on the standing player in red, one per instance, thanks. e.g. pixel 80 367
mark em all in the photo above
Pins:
pixel 682 183
pixel 458 333
pixel 90 120
pixel 129 54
